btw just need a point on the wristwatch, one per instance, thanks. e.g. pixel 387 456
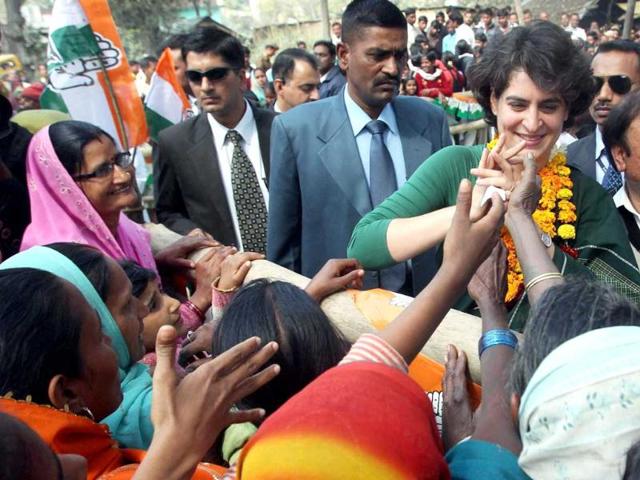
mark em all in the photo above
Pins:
pixel 546 239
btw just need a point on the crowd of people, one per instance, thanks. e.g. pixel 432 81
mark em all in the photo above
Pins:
pixel 121 359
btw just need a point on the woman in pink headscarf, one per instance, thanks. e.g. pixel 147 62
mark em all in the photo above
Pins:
pixel 79 185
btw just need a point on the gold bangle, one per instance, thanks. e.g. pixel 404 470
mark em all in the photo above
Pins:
pixel 541 278
pixel 214 285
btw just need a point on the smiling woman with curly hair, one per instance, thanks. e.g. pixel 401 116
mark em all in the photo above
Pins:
pixel 531 85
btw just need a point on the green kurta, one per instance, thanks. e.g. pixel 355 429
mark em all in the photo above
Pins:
pixel 601 239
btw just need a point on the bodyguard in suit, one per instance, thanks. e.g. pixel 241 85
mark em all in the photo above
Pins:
pixel 335 159
pixel 616 72
pixel 211 172
pixel 331 77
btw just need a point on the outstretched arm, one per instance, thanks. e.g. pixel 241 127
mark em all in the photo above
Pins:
pixel 413 328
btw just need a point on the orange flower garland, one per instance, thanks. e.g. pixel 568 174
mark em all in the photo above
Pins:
pixel 555 216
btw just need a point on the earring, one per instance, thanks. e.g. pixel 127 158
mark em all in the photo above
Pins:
pixel 85 412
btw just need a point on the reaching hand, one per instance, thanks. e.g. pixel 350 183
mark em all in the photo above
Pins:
pixel 489 284
pixel 524 198
pixel 498 167
pixel 235 268
pixel 207 270
pixel 335 275
pixel 197 345
pixel 189 414
pixel 175 256
pixel 469 242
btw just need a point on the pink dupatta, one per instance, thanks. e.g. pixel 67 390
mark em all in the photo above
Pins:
pixel 60 211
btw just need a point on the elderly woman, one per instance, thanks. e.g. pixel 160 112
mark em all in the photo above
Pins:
pixel 79 185
pixel 573 380
pixel 530 85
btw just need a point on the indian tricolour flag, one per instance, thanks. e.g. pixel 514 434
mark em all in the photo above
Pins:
pixel 89 75
pixel 166 103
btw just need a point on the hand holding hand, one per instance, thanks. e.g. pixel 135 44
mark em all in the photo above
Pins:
pixel 524 198
pixel 335 275
pixel 469 242
pixel 235 268
pixel 183 435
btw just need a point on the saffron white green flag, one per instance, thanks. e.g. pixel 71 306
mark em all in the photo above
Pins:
pixel 166 103
pixel 89 75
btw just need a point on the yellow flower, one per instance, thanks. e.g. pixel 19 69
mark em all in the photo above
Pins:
pixel 567 232
pixel 492 144
pixel 565 194
pixel 563 171
pixel 567 216
pixel 566 205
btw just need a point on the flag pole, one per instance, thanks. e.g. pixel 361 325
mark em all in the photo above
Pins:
pixel 114 101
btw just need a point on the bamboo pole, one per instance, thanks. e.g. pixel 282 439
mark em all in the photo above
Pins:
pixel 628 18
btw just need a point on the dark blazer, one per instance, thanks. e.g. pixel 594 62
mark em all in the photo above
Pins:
pixel 318 189
pixel 581 154
pixel 187 181
pixel 333 84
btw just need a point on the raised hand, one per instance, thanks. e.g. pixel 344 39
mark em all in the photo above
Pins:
pixel 189 414
pixel 489 284
pixel 235 268
pixel 469 242
pixel 335 275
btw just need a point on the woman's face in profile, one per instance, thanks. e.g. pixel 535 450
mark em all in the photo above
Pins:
pixel 111 193
pixel 529 114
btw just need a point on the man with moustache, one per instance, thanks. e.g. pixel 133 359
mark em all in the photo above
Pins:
pixel 211 171
pixel 616 72
pixel 335 159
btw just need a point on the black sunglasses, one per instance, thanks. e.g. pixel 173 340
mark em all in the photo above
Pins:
pixel 620 84
pixel 212 75
pixel 122 159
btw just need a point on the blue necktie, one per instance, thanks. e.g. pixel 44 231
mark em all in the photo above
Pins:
pixel 382 183
pixel 382 176
pixel 612 181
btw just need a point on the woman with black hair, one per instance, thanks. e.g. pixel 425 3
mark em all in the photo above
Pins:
pixel 79 185
pixel 61 373
pixel 531 84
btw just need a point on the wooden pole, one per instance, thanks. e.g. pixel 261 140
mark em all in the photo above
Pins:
pixel 628 18
pixel 324 17
pixel 518 7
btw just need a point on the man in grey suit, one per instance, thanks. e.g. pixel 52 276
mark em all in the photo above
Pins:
pixel 211 172
pixel 616 72
pixel 335 159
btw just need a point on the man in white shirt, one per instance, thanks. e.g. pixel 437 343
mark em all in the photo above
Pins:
pixel 616 71
pixel 211 172
pixel 463 31
pixel 622 134
pixel 574 29
pixel 295 79
pixel 412 30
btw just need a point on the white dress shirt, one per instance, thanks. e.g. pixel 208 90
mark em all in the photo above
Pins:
pixel 359 119
pixel 246 127
pixel 465 32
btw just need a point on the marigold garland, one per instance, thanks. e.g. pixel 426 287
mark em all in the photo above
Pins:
pixel 555 216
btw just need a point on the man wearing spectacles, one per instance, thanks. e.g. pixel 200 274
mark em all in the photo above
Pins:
pixel 295 79
pixel 616 72
pixel 211 171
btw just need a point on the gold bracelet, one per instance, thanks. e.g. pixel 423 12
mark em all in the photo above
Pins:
pixel 214 285
pixel 541 278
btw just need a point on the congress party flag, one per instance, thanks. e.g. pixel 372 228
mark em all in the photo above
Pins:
pixel 89 75
pixel 166 103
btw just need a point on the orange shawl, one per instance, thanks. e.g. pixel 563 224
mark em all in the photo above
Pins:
pixel 69 433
